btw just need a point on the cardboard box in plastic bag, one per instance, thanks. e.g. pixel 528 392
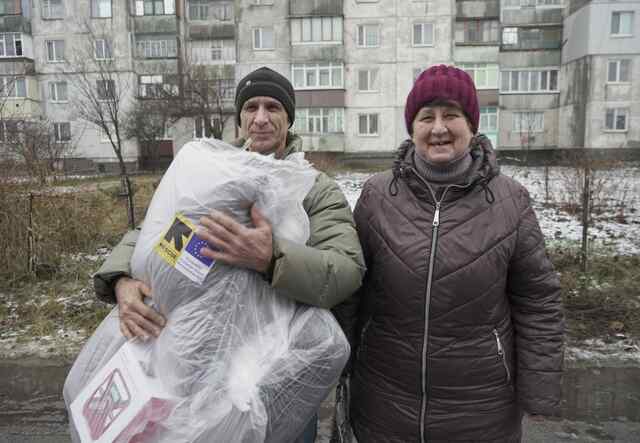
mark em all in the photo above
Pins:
pixel 121 402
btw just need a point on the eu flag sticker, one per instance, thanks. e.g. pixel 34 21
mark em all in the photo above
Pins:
pixel 192 263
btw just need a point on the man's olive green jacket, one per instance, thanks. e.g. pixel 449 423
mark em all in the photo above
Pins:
pixel 323 273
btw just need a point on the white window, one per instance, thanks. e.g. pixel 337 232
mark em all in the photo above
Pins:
pixel 101 8
pixel 62 132
pixel 263 2
pixel 263 38
pixel 484 75
pixel 198 9
pixel 156 48
pixel 13 87
pixel 488 119
pixel 103 49
pixel 528 122
pixel 529 81
pixel 52 9
pixel 369 36
pixel 622 23
pixel 367 124
pixel 423 34
pixel 217 47
pixel 155 7
pixel 616 119
pixel 58 91
pixel 55 51
pixel 510 36
pixel 368 80
pixel 319 120
pixel 150 86
pixel 619 71
pixel 10 44
pixel 317 75
pixel 316 30
pixel 106 89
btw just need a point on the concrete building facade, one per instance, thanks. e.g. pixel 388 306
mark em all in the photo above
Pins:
pixel 551 74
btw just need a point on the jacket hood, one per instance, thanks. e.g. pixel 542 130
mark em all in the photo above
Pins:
pixel 484 165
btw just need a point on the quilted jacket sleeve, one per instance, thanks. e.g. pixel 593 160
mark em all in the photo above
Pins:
pixel 116 265
pixel 329 268
pixel 534 291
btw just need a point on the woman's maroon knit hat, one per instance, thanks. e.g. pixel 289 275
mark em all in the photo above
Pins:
pixel 444 83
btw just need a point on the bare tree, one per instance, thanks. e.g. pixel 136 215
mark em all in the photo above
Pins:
pixel 101 96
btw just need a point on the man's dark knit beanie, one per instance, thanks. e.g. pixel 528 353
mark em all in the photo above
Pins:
pixel 266 82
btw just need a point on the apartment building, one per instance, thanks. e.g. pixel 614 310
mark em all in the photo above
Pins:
pixel 551 74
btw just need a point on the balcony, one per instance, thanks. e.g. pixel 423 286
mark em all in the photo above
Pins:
pixel 531 16
pixel 525 38
pixel 477 9
pixel 212 32
pixel 155 24
pixel 15 23
pixel 305 8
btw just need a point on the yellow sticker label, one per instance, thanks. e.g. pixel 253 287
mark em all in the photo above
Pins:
pixel 175 239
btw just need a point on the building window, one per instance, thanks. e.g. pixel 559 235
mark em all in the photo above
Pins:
pixel 319 120
pixel 10 7
pixel 154 7
pixel 205 10
pixel 484 75
pixel 10 131
pixel 619 71
pixel 55 51
pixel 10 45
pixel 216 49
pixel 263 2
pixel 13 87
pixel 528 122
pixel 517 4
pixel 103 49
pixel 622 23
pixel 106 89
pixel 529 81
pixel 368 36
pixel 52 9
pixel 477 31
pixel 510 36
pixel 157 48
pixel 368 80
pixel 423 34
pixel 150 86
pixel 488 119
pixel 263 38
pixel 101 8
pixel 367 124
pixel 62 132
pixel 213 51
pixel 317 75
pixel 58 91
pixel 200 130
pixel 616 119
pixel 315 30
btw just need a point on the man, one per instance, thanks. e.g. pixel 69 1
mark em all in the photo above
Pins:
pixel 324 272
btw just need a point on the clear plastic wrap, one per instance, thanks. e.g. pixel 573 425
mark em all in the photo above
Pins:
pixel 244 364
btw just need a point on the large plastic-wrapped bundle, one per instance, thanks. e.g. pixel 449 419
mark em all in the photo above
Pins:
pixel 244 364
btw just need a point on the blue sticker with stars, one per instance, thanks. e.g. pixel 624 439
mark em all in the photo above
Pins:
pixel 194 247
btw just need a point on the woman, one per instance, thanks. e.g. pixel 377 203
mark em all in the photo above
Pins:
pixel 459 326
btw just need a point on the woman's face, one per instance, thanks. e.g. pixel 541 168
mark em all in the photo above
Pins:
pixel 441 132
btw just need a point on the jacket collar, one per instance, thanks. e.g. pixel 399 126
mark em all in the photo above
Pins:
pixel 484 167
pixel 293 144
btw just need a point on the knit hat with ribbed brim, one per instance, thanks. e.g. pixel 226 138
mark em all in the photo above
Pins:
pixel 443 82
pixel 268 83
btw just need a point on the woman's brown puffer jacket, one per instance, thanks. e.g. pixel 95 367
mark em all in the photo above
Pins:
pixel 459 326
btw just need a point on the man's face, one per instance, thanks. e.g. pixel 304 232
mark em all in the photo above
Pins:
pixel 265 121
pixel 441 133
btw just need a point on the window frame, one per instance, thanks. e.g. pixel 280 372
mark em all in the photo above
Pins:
pixel 54 91
pixel 139 9
pixel 369 116
pixel 59 133
pixel 303 26
pixel 371 72
pixel 549 74
pixel 618 62
pixel 145 48
pixel 106 97
pixel 55 50
pixel 519 129
pixel 317 68
pixel 361 32
pixel 199 118
pixel 16 38
pixel 616 113
pixel 95 9
pixel 488 113
pixel 422 25
pixel 46 6
pixel 107 49
pixel 620 34
pixel 486 68
pixel 12 81
pixel 329 116
pixel 260 30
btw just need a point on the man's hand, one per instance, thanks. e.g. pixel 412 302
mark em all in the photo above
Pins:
pixel 236 244
pixel 136 318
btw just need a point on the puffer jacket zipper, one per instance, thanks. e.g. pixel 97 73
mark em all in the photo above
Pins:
pixel 502 355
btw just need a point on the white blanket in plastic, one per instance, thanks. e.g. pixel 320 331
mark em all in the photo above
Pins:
pixel 246 364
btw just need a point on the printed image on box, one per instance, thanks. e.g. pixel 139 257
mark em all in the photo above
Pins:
pixel 120 401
